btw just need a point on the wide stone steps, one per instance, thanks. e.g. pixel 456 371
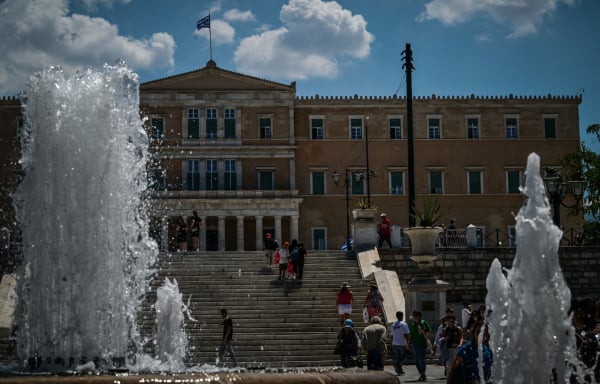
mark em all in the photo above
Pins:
pixel 276 323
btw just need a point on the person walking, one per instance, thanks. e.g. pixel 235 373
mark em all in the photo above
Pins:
pixel 373 342
pixel 400 341
pixel 343 305
pixel 419 331
pixel 196 226
pixel 347 344
pixel 301 259
pixel 181 234
pixel 226 343
pixel 465 367
pixel 284 254
pixel 269 246
pixel 385 231
pixel 374 301
pixel 453 335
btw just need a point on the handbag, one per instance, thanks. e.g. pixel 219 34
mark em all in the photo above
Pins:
pixel 365 315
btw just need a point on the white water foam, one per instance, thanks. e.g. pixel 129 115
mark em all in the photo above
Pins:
pixel 531 331
pixel 87 253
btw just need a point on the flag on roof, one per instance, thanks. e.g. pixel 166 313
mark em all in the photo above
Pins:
pixel 203 23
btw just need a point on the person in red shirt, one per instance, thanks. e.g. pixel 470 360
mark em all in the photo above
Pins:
pixel 344 302
pixel 385 231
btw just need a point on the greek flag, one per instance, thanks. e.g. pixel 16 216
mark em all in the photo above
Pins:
pixel 203 23
pixel 345 245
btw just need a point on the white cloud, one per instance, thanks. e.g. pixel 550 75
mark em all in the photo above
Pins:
pixel 523 16
pixel 95 4
pixel 221 32
pixel 237 15
pixel 43 33
pixel 314 36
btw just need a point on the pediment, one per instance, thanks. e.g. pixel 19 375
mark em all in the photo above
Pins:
pixel 213 78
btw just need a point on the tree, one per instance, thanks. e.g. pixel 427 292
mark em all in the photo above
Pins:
pixel 585 165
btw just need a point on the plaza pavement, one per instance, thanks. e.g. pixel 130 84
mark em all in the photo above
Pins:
pixel 434 372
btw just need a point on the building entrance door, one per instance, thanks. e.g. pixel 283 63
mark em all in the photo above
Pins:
pixel 212 240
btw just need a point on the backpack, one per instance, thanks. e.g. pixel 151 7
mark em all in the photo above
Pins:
pixel 294 255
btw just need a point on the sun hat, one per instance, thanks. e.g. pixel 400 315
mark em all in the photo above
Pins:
pixel 345 285
pixel 382 214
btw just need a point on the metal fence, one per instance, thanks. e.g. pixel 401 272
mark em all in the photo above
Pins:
pixel 498 238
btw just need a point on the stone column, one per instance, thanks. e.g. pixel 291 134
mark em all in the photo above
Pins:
pixel 203 234
pixel 294 227
pixel 278 234
pixel 259 231
pixel 221 233
pixel 240 233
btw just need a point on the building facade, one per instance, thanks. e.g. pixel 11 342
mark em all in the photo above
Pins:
pixel 251 157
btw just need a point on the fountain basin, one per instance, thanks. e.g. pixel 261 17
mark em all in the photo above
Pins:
pixel 346 377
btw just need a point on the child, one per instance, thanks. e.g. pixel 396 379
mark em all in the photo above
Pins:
pixel 291 275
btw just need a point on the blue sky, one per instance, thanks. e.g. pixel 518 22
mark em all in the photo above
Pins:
pixel 460 47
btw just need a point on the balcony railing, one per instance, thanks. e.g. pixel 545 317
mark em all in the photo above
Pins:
pixel 222 194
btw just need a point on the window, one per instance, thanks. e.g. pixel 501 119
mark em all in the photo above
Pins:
pixel 193 175
pixel 264 127
pixel 157 179
pixel 434 127
pixel 550 127
pixel 158 128
pixel 318 239
pixel 193 123
pixel 472 127
pixel 229 123
pixel 397 183
pixel 511 124
pixel 316 128
pixel 395 125
pixel 265 180
pixel 475 182
pixel 212 175
pixel 356 129
pixel 513 181
pixel 211 123
pixel 230 175
pixel 358 184
pixel 317 183
pixel 436 186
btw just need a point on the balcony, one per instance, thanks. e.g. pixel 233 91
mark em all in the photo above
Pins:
pixel 222 194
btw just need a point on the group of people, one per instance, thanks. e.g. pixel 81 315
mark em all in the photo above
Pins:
pixel 290 257
pixel 181 232
pixel 458 345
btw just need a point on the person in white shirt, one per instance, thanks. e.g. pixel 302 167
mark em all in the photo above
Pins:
pixel 465 314
pixel 400 341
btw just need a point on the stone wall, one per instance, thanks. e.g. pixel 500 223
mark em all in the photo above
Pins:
pixel 467 269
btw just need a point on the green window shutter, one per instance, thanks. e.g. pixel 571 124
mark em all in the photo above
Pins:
pixel 193 128
pixel 318 183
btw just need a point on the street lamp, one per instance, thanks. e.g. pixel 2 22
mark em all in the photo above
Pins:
pixel 347 180
pixel 557 189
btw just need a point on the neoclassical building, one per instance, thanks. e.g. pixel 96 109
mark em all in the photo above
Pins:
pixel 251 157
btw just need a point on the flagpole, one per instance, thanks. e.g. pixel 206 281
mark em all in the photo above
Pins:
pixel 210 36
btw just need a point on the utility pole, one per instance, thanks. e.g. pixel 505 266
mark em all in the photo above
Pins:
pixel 408 66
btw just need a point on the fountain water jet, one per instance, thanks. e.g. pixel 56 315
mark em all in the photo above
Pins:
pixel 87 256
pixel 532 337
